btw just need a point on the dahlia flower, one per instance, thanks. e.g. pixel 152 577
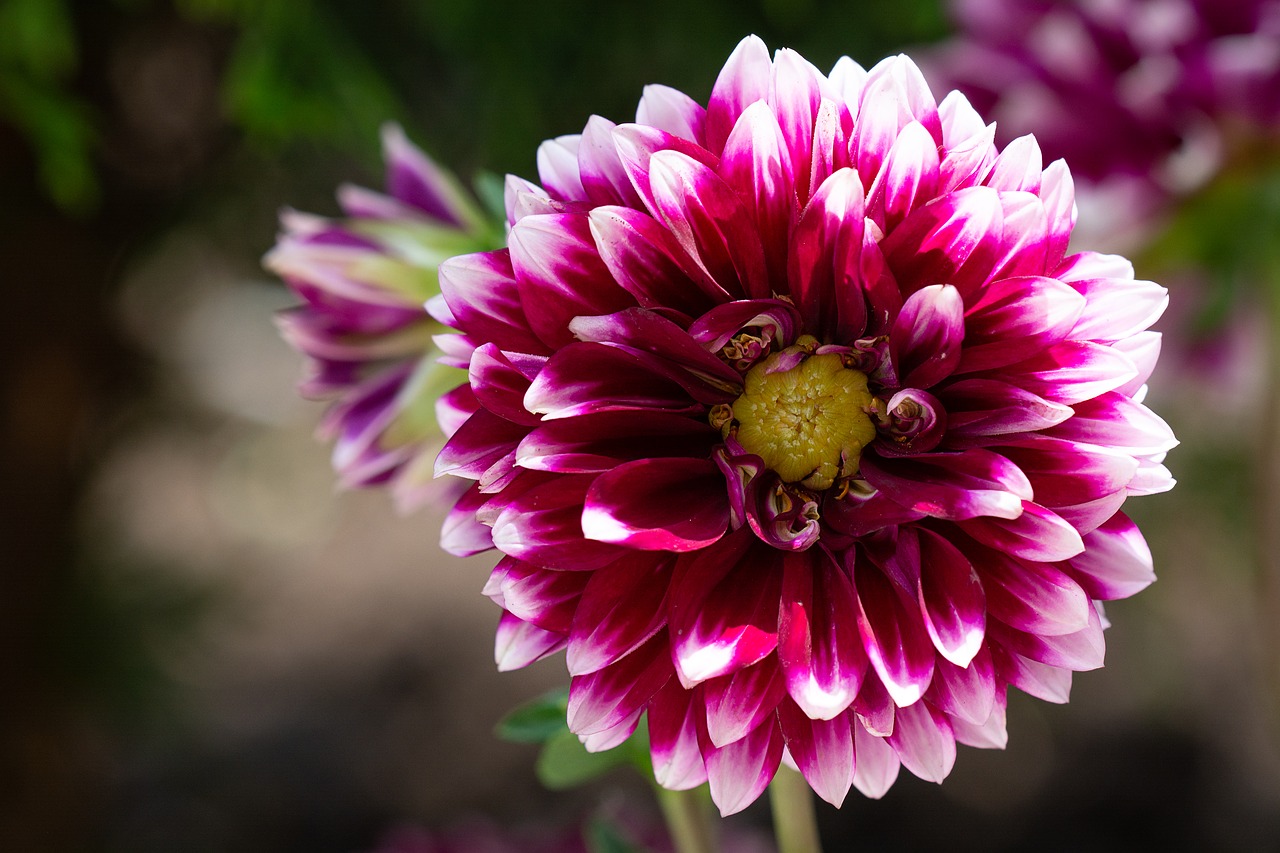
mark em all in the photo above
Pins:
pixel 797 429
pixel 364 280
pixel 1143 94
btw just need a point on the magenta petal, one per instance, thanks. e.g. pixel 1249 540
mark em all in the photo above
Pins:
pixel 857 515
pixel 875 764
pixel 586 378
pixel 824 261
pixel 479 443
pixel 542 597
pixel 908 178
pixel 674 716
pixel 1118 308
pixel 485 302
pixel 648 331
pixel 893 635
pixel 561 274
pixel 1014 318
pixel 622 606
pixel 603 699
pixel 739 702
pixel 925 744
pixel 500 382
pixel 1079 651
pixel 744 80
pixel 1050 683
pixel 966 693
pixel 955 485
pixel 723 608
pixel 1033 597
pixel 710 223
pixel 1072 371
pixel 980 408
pixel 599 442
pixel 951 599
pixel 822 749
pixel 757 164
pixel 1018 167
pixel 925 341
pixel 796 95
pixel 1037 534
pixel 518 643
pixel 614 736
pixel 658 505
pixel 1067 473
pixel 953 239
pixel 544 526
pixel 1115 563
pixel 672 111
pixel 894 95
pixel 990 734
pixel 558 168
pixel 1115 420
pixel 819 650
pixel 462 533
pixel 739 772
pixel 874 708
pixel 1057 192
pixel 604 179
pixel 648 263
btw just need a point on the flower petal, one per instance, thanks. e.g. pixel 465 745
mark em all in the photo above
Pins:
pixel 739 772
pixel 658 505
pixel 951 599
pixel 893 635
pixel 1036 534
pixel 744 80
pixel 739 702
pixel 925 341
pixel 623 604
pixel 875 764
pixel 518 643
pixel 674 716
pixel 603 699
pixel 954 485
pixel 923 739
pixel 822 749
pixel 1115 563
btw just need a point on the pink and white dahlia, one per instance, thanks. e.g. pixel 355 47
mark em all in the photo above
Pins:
pixel 362 324
pixel 797 429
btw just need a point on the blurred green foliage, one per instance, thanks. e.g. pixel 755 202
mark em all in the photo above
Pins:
pixel 480 83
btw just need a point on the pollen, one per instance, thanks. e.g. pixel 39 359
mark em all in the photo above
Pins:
pixel 808 423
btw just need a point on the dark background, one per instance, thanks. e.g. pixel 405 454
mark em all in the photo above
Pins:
pixel 204 647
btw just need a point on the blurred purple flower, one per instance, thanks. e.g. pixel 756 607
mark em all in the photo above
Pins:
pixel 364 280
pixel 1143 96
pixel 796 426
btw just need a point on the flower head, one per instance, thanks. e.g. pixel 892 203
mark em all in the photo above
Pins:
pixel 362 324
pixel 1139 91
pixel 798 429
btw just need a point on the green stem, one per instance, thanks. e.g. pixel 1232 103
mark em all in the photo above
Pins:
pixel 795 825
pixel 689 819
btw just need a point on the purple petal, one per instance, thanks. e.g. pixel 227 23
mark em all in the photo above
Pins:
pixel 1079 651
pixel 544 526
pixel 925 341
pixel 542 597
pixel 955 486
pixel 1115 420
pixel 603 699
pixel 1116 562
pixel 925 744
pixel 1118 308
pixel 648 263
pixel 894 95
pixel 757 164
pixel 560 274
pixel 738 703
pixel 1071 372
pixel 500 382
pixel 824 262
pixel 819 650
pixel 586 378
pixel 479 443
pixel 710 223
pixel 739 772
pixel 1037 534
pixel 483 298
pixel 648 331
pixel 462 534
pixel 674 715
pixel 658 505
pixel 951 599
pixel 875 765
pixel 744 80
pixel 893 635
pixel 415 179
pixel 600 442
pixel 723 608
pixel 1065 473
pixel 857 515
pixel 822 749
pixel 954 239
pixel 1050 683
pixel 622 606
pixel 518 643
pixel 558 168
pixel 672 111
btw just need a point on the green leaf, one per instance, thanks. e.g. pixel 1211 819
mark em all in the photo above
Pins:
pixel 565 762
pixel 537 721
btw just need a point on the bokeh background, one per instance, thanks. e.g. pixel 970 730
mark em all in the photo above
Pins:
pixel 204 646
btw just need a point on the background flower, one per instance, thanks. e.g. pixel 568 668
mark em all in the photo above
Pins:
pixel 807 380
pixel 364 280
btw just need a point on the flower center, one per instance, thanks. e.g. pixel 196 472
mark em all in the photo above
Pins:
pixel 808 422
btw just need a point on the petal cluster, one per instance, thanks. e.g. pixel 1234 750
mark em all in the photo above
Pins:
pixel 870 616
pixel 363 281
pixel 1162 83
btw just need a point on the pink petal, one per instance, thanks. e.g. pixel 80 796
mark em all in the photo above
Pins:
pixel 893 635
pixel 739 772
pixel 649 331
pixel 991 734
pixel 622 606
pixel 1036 534
pixel 1115 420
pixel 674 716
pixel 614 736
pixel 951 599
pixel 604 179
pixel 542 597
pixel 874 708
pixel 500 382
pixel 955 239
pixel 740 702
pixel 822 749
pixel 979 408
pixel 966 693
pixel 648 263
pixel 876 764
pixel 479 443
pixel 544 526
pixel 795 94
pixel 1071 372
pixel 925 744
pixel 672 111
pixel 824 262
pixel 723 608
pixel 1057 192
pixel 925 341
pixel 954 485
pixel 908 178
pixel 894 95
pixel 558 168
pixel 1115 563
pixel 1033 597
pixel 744 80
pixel 586 378
pixel 1118 308
pixel 757 164
pixel 1079 651
pixel 518 643
pixel 603 699
pixel 819 650
pixel 483 298
pixel 462 534
pixel 1065 473
pixel 1017 167
pixel 1050 683
pixel 600 442
pixel 658 505
pixel 1014 318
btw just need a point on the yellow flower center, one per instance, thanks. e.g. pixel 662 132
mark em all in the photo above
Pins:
pixel 809 423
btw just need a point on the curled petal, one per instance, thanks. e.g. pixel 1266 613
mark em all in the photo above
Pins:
pixel 925 341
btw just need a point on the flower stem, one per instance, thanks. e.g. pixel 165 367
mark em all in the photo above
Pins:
pixel 795 825
pixel 689 819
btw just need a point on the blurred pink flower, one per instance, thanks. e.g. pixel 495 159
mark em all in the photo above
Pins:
pixel 364 280
pixel 796 426
pixel 1140 95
